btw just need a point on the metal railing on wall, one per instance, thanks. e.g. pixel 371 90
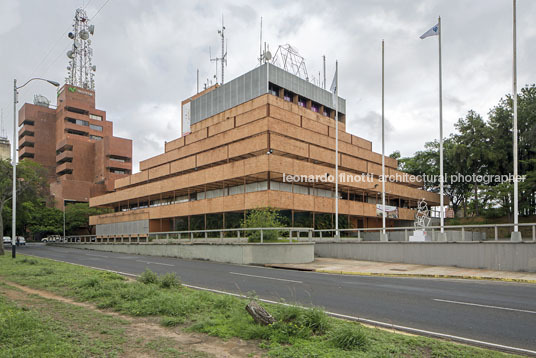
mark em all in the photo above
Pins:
pixel 454 233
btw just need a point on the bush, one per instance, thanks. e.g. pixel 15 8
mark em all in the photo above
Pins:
pixel 349 338
pixel 315 319
pixel 170 280
pixel 148 277
pixel 288 313
pixel 261 218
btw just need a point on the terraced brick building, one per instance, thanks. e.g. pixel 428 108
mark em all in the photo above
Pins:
pixel 243 141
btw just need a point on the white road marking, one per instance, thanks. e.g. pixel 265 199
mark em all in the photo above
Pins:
pixel 353 318
pixel 268 278
pixel 97 256
pixel 154 263
pixel 485 306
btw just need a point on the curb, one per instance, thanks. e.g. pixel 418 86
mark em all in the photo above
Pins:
pixel 483 278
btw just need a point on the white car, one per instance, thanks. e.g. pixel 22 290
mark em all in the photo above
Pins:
pixel 21 241
pixel 6 240
pixel 51 238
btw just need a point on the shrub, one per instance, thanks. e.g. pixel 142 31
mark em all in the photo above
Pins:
pixel 261 218
pixel 170 280
pixel 148 277
pixel 349 338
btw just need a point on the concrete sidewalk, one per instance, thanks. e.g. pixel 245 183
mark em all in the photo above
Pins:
pixel 365 268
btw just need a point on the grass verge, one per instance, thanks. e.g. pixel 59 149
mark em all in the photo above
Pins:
pixel 297 332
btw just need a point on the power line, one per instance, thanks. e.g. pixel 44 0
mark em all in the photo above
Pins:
pixel 55 44
pixel 46 69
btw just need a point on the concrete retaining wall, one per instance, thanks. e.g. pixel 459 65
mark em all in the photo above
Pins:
pixel 270 253
pixel 452 235
pixel 504 256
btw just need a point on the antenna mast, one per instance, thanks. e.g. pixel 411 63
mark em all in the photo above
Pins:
pixel 223 57
pixel 324 84
pixel 80 71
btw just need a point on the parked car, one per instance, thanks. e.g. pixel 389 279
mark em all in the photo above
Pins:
pixel 6 240
pixel 21 241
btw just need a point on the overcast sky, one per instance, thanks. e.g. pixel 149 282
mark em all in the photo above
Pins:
pixel 147 53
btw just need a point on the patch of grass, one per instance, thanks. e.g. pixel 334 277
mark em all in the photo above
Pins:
pixel 28 261
pixel 349 338
pixel 28 332
pixel 298 332
pixel 171 321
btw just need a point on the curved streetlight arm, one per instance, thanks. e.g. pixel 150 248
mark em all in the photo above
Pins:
pixel 54 83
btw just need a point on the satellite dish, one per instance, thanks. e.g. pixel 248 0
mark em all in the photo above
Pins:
pixel 68 68
pixel 71 35
pixel 84 34
pixel 70 54
pixel 91 29
pixel 267 55
pixel 76 44
pixel 94 68
pixel 89 42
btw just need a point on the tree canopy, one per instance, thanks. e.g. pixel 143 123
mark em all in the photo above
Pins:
pixel 485 147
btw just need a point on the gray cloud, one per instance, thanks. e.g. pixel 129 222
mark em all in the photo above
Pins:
pixel 147 54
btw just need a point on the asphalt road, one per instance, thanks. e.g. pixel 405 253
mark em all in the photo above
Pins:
pixel 497 312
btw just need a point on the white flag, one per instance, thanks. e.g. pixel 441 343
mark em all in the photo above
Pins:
pixel 434 31
pixel 333 88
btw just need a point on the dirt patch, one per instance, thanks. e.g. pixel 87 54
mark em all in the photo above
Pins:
pixel 148 330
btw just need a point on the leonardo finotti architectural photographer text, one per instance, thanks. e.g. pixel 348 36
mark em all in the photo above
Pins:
pixel 404 177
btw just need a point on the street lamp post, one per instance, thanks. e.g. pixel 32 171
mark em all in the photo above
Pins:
pixel 14 162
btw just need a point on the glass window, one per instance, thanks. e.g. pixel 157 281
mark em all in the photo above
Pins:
pixel 95 117
pixel 95 127
pixel 96 137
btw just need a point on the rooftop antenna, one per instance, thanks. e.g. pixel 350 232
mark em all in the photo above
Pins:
pixel 324 84
pixel 215 59
pixel 81 72
pixel 223 57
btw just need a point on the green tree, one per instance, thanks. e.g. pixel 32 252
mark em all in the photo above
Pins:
pixel 501 143
pixel 31 186
pixel 77 217
pixel 43 220
pixel 261 218
pixel 426 163
pixel 471 149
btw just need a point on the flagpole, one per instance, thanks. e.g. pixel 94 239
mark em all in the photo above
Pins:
pixel 337 149
pixel 441 175
pixel 516 236
pixel 383 142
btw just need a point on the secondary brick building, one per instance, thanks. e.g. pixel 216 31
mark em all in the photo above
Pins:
pixel 242 138
pixel 75 143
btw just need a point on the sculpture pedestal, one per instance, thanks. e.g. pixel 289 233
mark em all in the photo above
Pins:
pixel 418 236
